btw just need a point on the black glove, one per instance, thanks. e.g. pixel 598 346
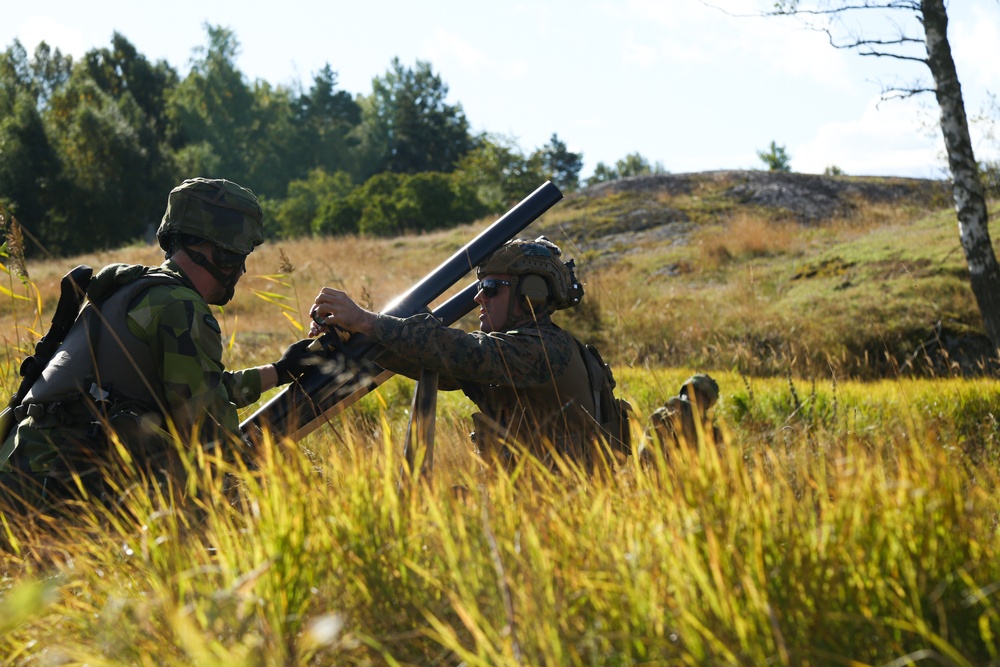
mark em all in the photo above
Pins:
pixel 296 360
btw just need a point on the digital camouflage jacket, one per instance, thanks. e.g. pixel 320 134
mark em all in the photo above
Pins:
pixel 530 383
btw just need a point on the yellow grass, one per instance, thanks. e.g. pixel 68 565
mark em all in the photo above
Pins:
pixel 839 523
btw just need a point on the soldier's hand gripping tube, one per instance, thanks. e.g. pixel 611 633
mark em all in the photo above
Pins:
pixel 300 407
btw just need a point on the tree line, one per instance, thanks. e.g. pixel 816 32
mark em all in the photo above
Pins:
pixel 89 148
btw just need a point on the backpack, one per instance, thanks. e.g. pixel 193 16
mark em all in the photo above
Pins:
pixel 611 413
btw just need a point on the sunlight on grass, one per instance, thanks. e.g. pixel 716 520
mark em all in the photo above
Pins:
pixel 838 523
pixel 862 533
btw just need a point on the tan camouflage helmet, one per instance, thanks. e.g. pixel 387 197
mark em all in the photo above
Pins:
pixel 521 258
pixel 216 210
pixel 702 388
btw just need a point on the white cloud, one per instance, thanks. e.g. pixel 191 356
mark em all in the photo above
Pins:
pixel 975 43
pixel 443 46
pixel 730 31
pixel 512 70
pixel 35 29
pixel 636 53
pixel 888 139
pixel 449 51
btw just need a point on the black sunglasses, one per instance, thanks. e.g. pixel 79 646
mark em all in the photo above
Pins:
pixel 490 286
pixel 228 260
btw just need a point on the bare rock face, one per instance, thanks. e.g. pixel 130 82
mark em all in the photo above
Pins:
pixel 810 197
pixel 620 216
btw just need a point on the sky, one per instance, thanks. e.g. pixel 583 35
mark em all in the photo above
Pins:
pixel 691 86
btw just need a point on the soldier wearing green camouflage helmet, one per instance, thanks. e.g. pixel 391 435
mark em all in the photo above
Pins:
pixel 527 376
pixel 143 360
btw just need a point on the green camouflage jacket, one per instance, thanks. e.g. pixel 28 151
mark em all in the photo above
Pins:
pixel 186 340
pixel 530 383
pixel 191 387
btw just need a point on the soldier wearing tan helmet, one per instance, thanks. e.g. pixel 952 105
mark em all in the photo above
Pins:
pixel 526 375
pixel 144 357
pixel 686 420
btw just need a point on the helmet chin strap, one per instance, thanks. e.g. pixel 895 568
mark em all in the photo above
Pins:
pixel 227 280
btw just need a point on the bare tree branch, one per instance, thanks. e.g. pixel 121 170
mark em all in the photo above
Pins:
pixel 792 8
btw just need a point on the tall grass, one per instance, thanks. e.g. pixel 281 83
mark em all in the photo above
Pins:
pixel 826 549
pixel 838 523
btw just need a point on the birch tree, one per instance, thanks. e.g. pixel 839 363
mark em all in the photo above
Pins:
pixel 930 49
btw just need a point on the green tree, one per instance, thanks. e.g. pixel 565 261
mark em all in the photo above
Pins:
pixel 602 174
pixel 633 164
pixel 112 192
pixel 776 158
pixel 224 126
pixel 339 216
pixel 128 77
pixel 499 173
pixel 30 178
pixel 41 75
pixel 561 165
pixel 298 214
pixel 388 204
pixel 407 125
pixel 82 165
pixel 211 112
pixel 326 119
pixel 121 70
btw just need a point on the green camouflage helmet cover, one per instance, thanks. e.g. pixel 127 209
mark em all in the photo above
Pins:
pixel 540 257
pixel 216 210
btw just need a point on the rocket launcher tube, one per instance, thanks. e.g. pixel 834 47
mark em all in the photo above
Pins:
pixel 303 405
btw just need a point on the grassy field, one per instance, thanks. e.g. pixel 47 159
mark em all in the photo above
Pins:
pixel 849 517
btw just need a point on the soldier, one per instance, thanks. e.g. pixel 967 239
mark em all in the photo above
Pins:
pixel 686 419
pixel 144 357
pixel 527 376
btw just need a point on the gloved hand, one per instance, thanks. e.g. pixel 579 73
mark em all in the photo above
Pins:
pixel 296 359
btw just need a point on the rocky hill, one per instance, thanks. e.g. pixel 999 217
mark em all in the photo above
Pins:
pixel 634 211
pixel 774 272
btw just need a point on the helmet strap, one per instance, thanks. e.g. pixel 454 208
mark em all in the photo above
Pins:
pixel 227 280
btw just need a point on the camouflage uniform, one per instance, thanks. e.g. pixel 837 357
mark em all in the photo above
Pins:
pixel 685 420
pixel 144 357
pixel 530 383
pixel 168 354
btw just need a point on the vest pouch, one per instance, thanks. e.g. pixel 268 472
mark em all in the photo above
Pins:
pixel 140 431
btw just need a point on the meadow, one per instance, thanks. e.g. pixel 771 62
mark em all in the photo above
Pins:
pixel 848 517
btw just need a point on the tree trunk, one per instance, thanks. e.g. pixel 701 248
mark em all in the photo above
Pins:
pixel 967 189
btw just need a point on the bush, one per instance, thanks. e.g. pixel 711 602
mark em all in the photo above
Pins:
pixel 389 204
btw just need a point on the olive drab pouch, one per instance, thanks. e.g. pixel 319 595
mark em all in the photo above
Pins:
pixel 612 413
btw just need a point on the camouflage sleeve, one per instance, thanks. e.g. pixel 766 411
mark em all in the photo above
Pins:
pixel 243 386
pixel 522 358
pixel 186 341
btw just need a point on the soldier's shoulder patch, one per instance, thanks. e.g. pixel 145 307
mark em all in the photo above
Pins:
pixel 212 323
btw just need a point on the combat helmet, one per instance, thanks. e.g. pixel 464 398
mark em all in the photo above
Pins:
pixel 215 210
pixel 537 273
pixel 701 388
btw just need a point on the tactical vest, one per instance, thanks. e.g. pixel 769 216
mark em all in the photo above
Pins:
pixel 120 364
pixel 554 415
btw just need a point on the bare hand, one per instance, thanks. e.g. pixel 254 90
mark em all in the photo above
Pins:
pixel 333 307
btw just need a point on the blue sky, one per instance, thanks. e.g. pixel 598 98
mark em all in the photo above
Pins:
pixel 680 82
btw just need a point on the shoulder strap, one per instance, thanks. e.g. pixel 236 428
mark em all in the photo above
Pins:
pixel 595 373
